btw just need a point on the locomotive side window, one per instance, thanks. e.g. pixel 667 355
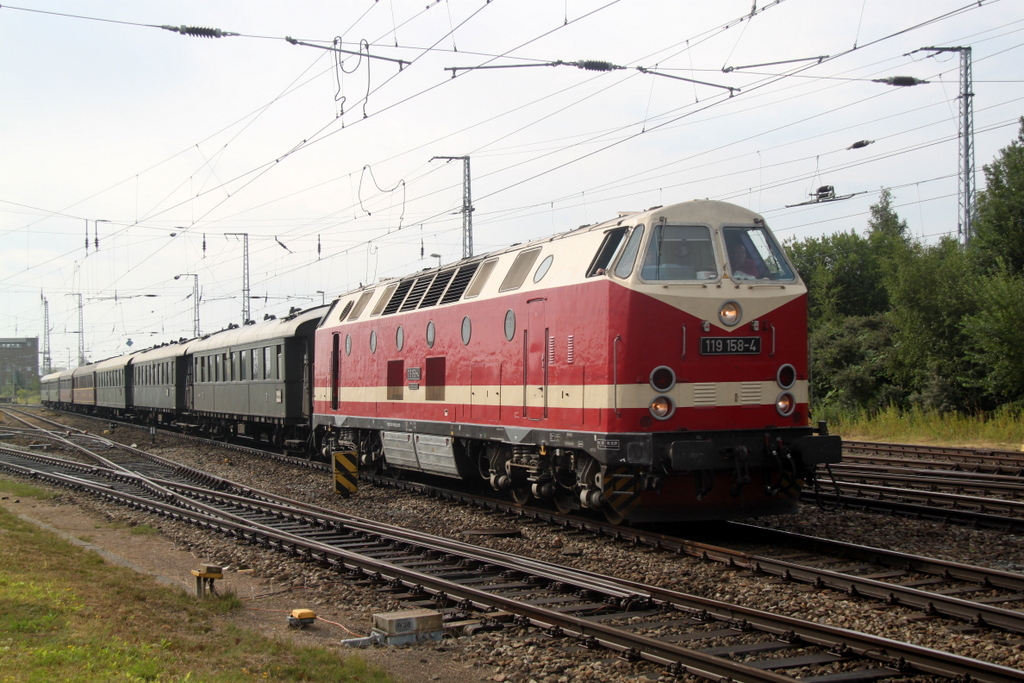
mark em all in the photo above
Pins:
pixel 361 304
pixel 625 264
pixel 754 255
pixel 679 252
pixel 519 270
pixel 605 255
pixel 383 300
pixel 481 278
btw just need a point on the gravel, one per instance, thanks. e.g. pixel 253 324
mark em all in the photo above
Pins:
pixel 522 655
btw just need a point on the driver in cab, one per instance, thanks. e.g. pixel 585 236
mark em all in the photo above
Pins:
pixel 743 267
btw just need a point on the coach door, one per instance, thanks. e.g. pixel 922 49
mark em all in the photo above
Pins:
pixel 535 376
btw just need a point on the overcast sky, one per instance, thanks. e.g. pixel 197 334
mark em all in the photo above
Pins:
pixel 160 145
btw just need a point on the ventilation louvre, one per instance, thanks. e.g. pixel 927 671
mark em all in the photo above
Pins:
pixel 459 283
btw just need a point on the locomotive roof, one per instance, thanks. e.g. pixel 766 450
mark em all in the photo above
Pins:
pixel 710 211
pixel 270 329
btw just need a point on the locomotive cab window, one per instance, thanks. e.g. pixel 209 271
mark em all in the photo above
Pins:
pixel 605 255
pixel 753 254
pixel 624 266
pixel 679 252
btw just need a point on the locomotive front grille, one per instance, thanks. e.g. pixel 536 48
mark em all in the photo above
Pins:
pixel 704 394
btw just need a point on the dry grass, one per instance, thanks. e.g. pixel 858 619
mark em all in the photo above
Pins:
pixel 67 616
pixel 1001 429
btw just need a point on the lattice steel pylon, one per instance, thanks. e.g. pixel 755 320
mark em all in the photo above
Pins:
pixel 965 128
pixel 47 360
pixel 245 273
pixel 467 206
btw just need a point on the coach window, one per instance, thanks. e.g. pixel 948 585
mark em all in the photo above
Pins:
pixel 243 365
pixel 279 371
pixel 625 264
pixel 255 356
pixel 266 362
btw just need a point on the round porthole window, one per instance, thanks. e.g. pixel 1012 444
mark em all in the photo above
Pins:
pixel 348 344
pixel 467 330
pixel 431 331
pixel 400 337
pixel 510 324
pixel 543 268
pixel 373 342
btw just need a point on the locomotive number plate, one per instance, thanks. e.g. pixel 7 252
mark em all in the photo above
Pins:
pixel 714 346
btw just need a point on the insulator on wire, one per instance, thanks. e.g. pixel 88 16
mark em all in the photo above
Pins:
pixel 900 81
pixel 199 31
pixel 595 65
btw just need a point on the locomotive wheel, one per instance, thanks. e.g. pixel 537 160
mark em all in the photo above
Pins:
pixel 612 515
pixel 521 495
pixel 564 503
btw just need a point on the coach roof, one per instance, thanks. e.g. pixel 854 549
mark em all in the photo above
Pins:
pixel 301 323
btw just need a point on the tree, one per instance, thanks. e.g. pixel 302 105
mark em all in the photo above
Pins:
pixel 995 334
pixel 842 275
pixel 932 293
pixel 999 219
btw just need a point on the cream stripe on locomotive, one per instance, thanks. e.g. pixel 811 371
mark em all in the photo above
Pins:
pixel 692 395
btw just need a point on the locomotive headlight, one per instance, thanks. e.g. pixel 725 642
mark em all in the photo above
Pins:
pixel 785 404
pixel 662 407
pixel 730 313
pixel 663 378
pixel 786 376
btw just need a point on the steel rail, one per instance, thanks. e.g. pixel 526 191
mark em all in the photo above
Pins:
pixel 900 656
pixel 960 481
pixel 850 584
pixel 984 455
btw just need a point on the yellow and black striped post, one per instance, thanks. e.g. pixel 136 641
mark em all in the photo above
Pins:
pixel 346 470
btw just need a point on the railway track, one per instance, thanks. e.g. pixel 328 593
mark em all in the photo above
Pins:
pixel 972 595
pixel 939 457
pixel 684 633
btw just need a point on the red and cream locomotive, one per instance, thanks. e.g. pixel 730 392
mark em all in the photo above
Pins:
pixel 653 367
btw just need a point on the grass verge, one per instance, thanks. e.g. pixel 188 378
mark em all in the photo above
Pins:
pixel 1001 429
pixel 67 616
